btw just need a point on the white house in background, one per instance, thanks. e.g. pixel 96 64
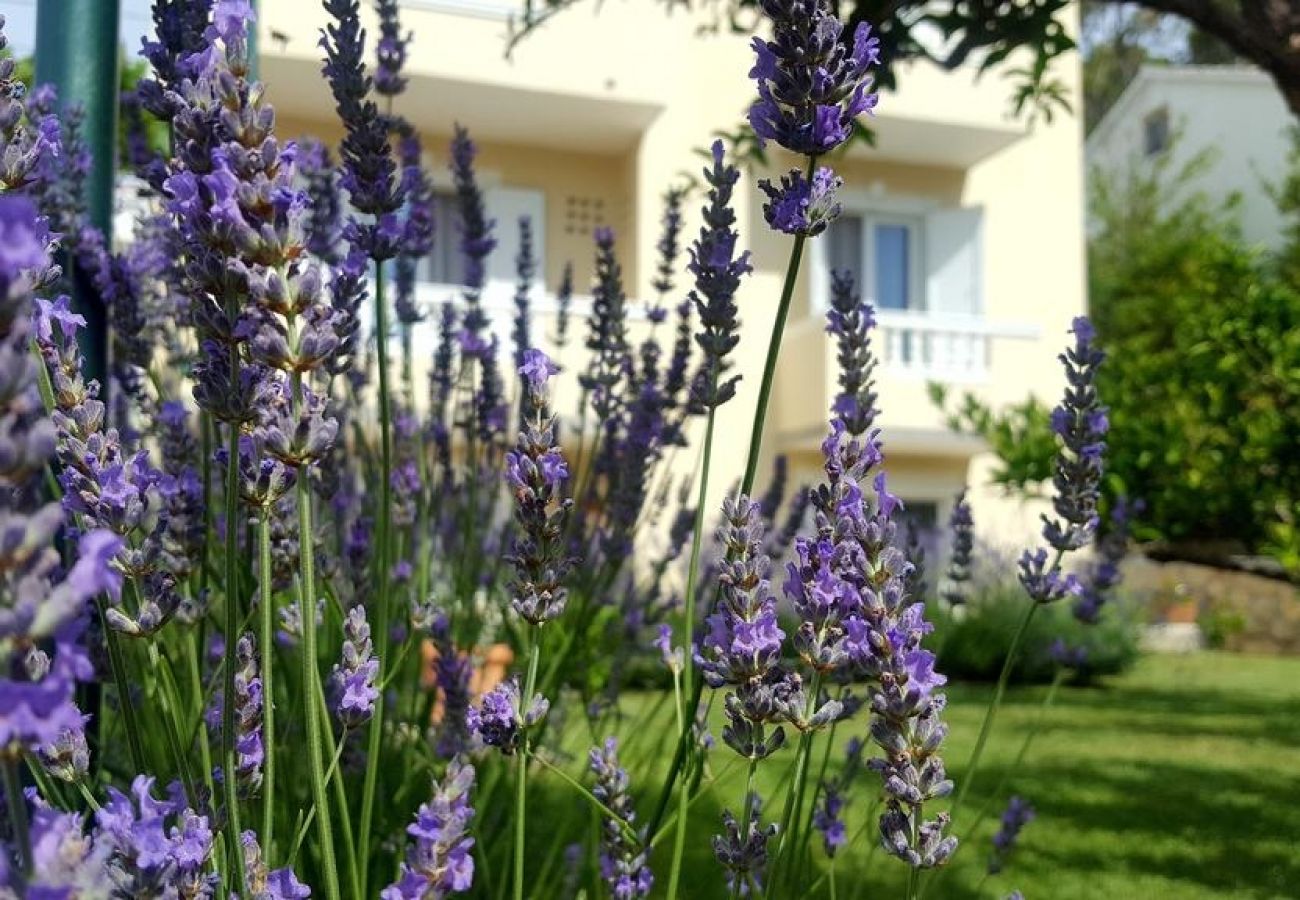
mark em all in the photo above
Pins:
pixel 1235 112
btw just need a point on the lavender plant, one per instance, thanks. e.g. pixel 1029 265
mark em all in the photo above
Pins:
pixel 241 504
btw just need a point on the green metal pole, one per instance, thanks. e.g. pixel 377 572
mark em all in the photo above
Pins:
pixel 77 52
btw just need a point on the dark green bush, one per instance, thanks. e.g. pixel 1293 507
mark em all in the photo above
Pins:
pixel 972 643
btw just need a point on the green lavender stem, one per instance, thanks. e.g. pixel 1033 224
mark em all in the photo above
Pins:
pixel 746 485
pixel 748 805
pixel 688 664
pixel 171 721
pixel 382 527
pixel 311 685
pixel 521 785
pixel 117 662
pixel 266 640
pixel 794 798
pixel 18 816
pixel 990 715
pixel 234 848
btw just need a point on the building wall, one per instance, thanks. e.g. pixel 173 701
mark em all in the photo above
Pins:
pixel 617 103
pixel 1236 114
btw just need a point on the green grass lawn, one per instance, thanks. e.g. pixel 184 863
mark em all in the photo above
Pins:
pixel 1178 780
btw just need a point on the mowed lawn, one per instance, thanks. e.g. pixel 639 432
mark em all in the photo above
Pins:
pixel 1179 780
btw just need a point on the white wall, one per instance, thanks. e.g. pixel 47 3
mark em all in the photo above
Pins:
pixel 1236 112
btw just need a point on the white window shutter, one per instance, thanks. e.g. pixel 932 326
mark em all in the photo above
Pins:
pixel 506 205
pixel 954 253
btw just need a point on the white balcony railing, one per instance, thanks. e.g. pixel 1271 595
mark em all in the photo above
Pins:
pixel 941 347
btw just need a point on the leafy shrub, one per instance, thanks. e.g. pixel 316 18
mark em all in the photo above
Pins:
pixel 973 642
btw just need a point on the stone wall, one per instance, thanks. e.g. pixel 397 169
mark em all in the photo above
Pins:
pixel 1254 613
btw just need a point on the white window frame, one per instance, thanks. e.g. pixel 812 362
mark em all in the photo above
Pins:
pixel 875 209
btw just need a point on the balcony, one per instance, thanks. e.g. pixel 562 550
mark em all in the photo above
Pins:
pixel 912 349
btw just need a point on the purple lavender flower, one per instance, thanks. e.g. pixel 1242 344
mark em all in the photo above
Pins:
pixel 390 51
pixel 802 206
pixel 418 227
pixel 439 862
pixel 1104 575
pixel 718 271
pixel 563 303
pixel 26 146
pixel 811 87
pixel 323 225
pixel 663 642
pixel 744 856
pixel 368 167
pixel 352 682
pixel 1081 424
pixel 249 750
pixel 525 269
pixel 1045 582
pixel 962 528
pixel 476 239
pixel 1069 656
pixel 624 863
pixel 108 486
pixel 770 502
pixel 156 848
pixel 828 818
pixel 264 884
pixel 677 373
pixel 536 472
pixel 742 643
pixel 66 861
pixel 498 721
pixel 668 246
pixel 1017 815
pixel 607 338
pixel 850 320
pixel 452 673
pixel 537 369
pixel 850 589
pixel 67 758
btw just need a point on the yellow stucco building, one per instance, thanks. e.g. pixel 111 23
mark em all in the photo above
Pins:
pixel 964 225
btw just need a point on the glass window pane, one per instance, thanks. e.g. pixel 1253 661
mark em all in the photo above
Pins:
pixel 893 266
pixel 444 265
pixel 844 246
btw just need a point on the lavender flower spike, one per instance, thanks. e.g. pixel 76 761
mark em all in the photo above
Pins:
pixel 352 682
pixel 536 472
pixel 851 319
pixel 1104 575
pixel 811 87
pixel 962 528
pixel 390 50
pixel 1081 424
pixel 499 720
pixel 1018 814
pixel 624 865
pixel 439 861
pixel 248 718
pixel 800 205
pixel 718 271
pixel 744 856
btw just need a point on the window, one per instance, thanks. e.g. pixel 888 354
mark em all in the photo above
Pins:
pixel 924 514
pixel 1155 131
pixel 906 258
pixel 444 265
pixel 503 206
pixel 883 253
